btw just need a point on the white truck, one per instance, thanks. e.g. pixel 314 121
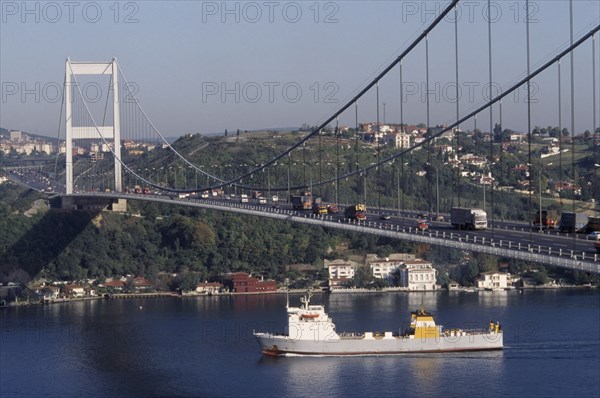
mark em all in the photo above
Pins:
pixel 466 218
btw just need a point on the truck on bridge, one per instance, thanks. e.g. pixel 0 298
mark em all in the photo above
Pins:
pixel 302 202
pixel 356 212
pixel 320 207
pixel 549 219
pixel 467 218
pixel 573 222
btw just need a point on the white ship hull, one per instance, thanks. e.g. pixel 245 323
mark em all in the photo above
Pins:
pixel 276 345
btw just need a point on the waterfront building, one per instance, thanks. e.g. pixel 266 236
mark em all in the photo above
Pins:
pixel 340 268
pixel 46 292
pixel 418 275
pixel 142 284
pixel 340 272
pixel 383 268
pixel 115 284
pixel 209 288
pixel 74 291
pixel 494 280
pixel 244 283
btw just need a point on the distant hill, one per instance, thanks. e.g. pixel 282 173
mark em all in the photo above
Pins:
pixel 233 132
pixel 5 133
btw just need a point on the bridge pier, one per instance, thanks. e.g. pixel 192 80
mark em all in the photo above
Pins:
pixel 93 204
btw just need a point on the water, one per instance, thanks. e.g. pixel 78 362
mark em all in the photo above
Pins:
pixel 204 347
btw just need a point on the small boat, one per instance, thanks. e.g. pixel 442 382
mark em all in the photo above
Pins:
pixel 311 331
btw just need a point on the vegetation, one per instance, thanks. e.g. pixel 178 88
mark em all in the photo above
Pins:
pixel 203 245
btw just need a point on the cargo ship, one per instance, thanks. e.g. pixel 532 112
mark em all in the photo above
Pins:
pixel 311 331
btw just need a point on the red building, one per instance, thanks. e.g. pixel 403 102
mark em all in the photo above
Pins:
pixel 244 283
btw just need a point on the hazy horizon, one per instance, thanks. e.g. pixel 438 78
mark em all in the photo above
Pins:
pixel 209 66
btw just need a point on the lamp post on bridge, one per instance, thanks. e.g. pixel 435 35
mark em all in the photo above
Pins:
pixel 483 183
pixel 437 191
pixel 268 181
pixel 540 181
pixel 289 195
pixel 403 204
pixel 540 220
pixel 310 175
pixel 337 194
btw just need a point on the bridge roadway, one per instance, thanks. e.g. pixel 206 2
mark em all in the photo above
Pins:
pixel 505 239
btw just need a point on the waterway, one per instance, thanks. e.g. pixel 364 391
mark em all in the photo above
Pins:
pixel 203 346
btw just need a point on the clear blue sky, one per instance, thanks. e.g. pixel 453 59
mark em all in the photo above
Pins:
pixel 179 52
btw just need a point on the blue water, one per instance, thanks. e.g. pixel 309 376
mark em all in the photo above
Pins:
pixel 204 347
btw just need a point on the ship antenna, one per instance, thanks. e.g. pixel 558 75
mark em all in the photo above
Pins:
pixel 287 298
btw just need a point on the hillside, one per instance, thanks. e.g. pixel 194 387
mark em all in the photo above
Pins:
pixel 153 239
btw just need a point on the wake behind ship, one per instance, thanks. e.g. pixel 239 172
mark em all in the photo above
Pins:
pixel 312 332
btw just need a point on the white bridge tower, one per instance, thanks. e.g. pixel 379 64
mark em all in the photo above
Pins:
pixel 89 132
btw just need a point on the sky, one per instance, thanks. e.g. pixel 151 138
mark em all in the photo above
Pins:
pixel 206 66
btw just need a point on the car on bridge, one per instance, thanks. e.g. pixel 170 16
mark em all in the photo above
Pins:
pixel 422 225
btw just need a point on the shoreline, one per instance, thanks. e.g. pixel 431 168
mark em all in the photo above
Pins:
pixel 293 291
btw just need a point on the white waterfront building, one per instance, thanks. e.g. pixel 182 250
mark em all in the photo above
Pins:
pixel 340 268
pixel 383 268
pixel 418 275
pixel 494 280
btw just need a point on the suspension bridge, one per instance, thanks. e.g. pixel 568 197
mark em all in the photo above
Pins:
pixel 122 155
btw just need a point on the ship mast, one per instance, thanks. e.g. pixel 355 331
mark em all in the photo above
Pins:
pixel 306 299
